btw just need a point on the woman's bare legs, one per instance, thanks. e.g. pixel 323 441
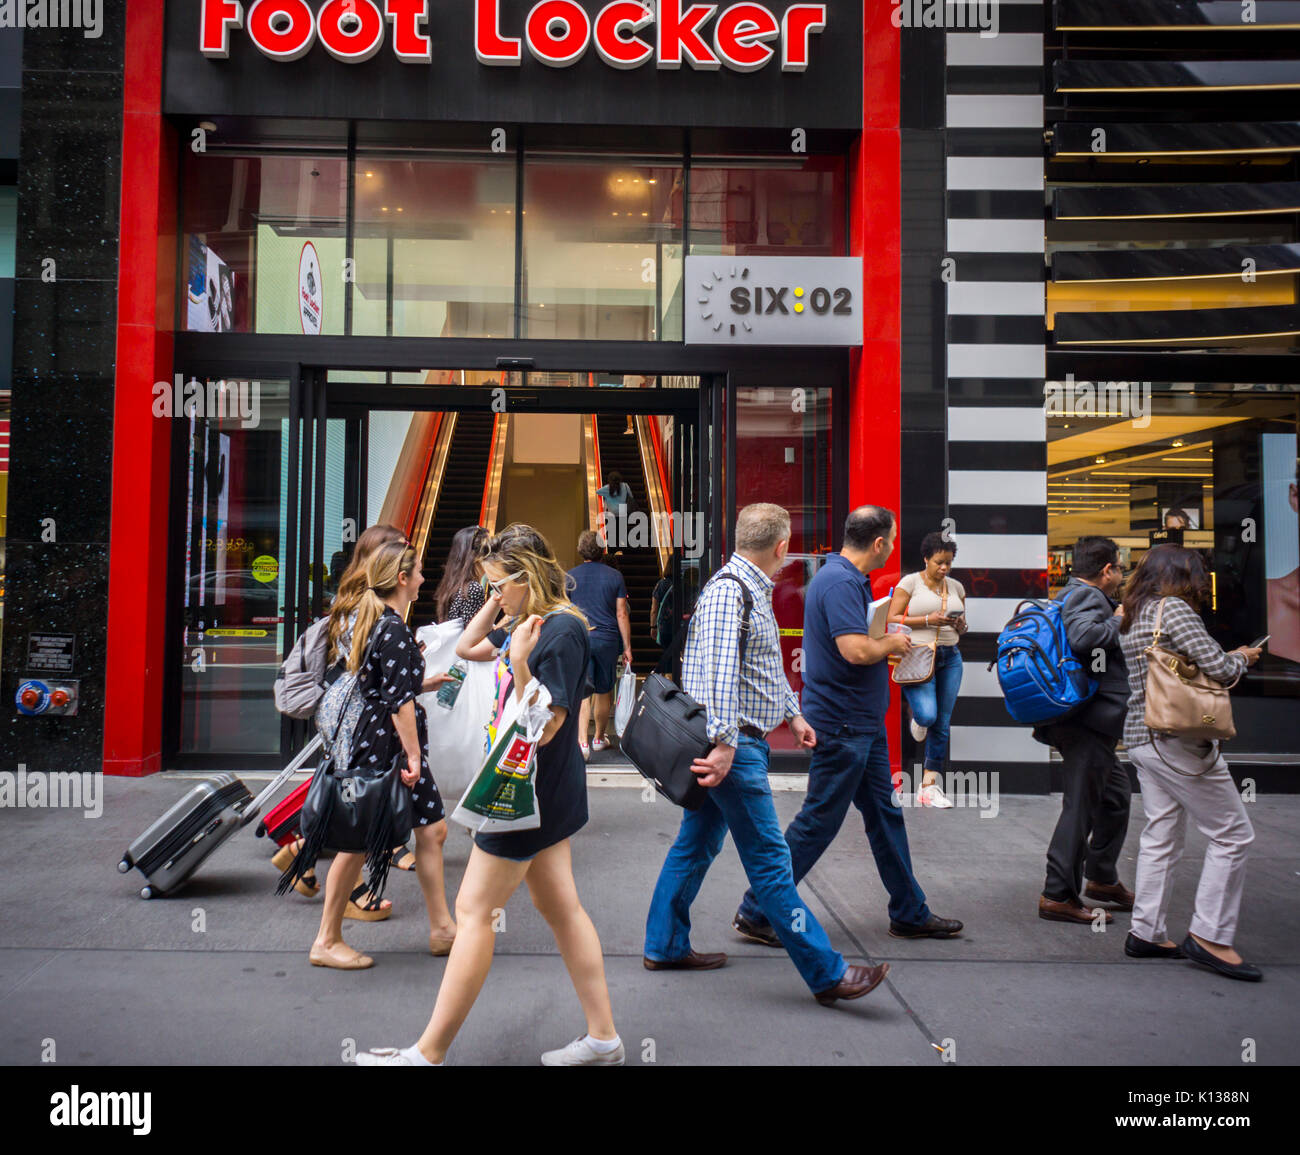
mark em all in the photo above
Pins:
pixel 488 884
pixel 584 720
pixel 428 869
pixel 554 893
pixel 339 883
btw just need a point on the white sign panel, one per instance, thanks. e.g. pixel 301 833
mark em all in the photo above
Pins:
pixel 311 291
pixel 773 300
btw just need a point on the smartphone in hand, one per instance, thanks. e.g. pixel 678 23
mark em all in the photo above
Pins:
pixel 1258 642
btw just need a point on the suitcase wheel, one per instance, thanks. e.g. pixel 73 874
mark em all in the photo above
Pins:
pixel 123 866
pixel 146 892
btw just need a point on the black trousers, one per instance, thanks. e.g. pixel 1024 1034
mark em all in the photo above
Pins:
pixel 1090 833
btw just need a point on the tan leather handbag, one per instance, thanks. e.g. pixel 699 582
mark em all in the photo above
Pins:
pixel 1180 698
pixel 917 665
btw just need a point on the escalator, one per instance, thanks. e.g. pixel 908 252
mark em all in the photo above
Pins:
pixel 460 502
pixel 639 566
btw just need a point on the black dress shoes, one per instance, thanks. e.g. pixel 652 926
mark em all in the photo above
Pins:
pixel 1136 947
pixel 764 935
pixel 1242 970
pixel 936 927
pixel 689 962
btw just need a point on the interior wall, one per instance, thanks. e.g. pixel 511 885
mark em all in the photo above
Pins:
pixel 551 499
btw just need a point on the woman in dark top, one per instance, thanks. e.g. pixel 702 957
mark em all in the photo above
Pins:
pixel 390 674
pixel 546 639
pixel 460 596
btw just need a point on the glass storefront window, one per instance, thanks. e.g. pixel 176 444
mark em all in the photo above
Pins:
pixel 1214 472
pixel 434 247
pixel 783 455
pixel 602 249
pixel 752 207
pixel 234 579
pixel 251 225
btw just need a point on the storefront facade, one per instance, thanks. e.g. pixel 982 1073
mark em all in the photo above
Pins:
pixel 563 172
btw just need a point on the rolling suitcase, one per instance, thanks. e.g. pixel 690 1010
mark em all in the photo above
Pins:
pixel 281 821
pixel 175 846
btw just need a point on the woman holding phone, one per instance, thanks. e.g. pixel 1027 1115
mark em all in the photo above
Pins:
pixel 546 639
pixel 933 606
pixel 1183 776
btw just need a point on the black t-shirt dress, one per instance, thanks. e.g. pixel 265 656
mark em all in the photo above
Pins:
pixel 559 662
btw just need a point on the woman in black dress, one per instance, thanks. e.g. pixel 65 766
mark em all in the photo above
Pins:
pixel 547 640
pixel 460 596
pixel 390 673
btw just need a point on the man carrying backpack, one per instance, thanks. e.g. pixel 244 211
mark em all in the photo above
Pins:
pixel 1095 798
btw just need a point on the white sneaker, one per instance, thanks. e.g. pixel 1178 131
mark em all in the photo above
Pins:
pixel 934 796
pixel 918 732
pixel 599 744
pixel 586 750
pixel 383 1057
pixel 580 1054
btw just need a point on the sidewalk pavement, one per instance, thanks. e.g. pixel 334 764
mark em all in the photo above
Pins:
pixel 113 979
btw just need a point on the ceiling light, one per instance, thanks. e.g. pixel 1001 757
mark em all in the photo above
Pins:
pixel 370 174
pixel 1101 461
pixel 1178 444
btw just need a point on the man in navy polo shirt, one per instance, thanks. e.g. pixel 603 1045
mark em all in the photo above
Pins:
pixel 845 697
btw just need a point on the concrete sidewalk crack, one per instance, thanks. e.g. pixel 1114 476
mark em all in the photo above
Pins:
pixel 921 1025
pixel 56 952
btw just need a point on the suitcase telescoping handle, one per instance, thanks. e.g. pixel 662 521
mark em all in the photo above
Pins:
pixel 303 757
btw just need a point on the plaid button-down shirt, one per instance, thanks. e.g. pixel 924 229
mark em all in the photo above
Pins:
pixel 758 695
pixel 1181 632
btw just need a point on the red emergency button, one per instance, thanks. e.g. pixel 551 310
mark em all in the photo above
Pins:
pixel 58 698
pixel 30 698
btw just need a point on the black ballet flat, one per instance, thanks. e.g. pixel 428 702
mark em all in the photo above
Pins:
pixel 1136 947
pixel 1242 970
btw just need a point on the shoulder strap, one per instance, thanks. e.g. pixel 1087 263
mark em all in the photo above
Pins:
pixel 671 662
pixel 1155 633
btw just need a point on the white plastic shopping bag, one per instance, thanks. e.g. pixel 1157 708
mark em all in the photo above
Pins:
pixel 457 737
pixel 502 796
pixel 624 700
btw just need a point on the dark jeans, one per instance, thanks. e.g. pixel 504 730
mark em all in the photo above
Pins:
pixel 1095 802
pixel 853 767
pixel 741 803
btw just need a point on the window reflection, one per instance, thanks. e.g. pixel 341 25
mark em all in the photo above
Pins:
pixel 602 249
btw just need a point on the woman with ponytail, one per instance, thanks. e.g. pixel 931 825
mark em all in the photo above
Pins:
pixel 343 615
pixel 383 655
pixel 547 640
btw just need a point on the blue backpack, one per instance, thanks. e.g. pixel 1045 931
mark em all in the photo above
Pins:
pixel 1041 679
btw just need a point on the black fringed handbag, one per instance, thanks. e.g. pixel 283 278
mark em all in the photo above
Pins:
pixel 353 811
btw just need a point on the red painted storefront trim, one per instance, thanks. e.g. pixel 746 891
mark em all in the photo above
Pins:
pixel 875 234
pixel 137 566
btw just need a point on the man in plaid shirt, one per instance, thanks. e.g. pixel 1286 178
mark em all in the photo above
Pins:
pixel 742 704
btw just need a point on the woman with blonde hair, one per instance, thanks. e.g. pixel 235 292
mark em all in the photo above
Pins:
pixel 342 615
pixel 546 639
pixel 383 654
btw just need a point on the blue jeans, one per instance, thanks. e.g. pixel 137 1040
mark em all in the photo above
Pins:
pixel 931 704
pixel 741 803
pixel 853 767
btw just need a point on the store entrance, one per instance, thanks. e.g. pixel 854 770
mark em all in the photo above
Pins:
pixel 432 452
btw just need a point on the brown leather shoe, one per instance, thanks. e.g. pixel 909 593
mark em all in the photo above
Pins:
pixel 690 962
pixel 1066 911
pixel 1116 893
pixel 857 981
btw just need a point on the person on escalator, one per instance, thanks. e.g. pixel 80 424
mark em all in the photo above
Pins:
pixel 599 592
pixel 617 495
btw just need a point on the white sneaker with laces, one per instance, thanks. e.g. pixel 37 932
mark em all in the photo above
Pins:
pixel 918 732
pixel 580 1054
pixel 933 795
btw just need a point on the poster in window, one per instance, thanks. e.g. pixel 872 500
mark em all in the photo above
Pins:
pixel 211 291
pixel 1281 544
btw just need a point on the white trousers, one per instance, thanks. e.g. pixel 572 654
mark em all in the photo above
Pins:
pixel 1212 800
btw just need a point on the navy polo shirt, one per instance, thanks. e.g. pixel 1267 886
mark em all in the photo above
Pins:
pixel 836 692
